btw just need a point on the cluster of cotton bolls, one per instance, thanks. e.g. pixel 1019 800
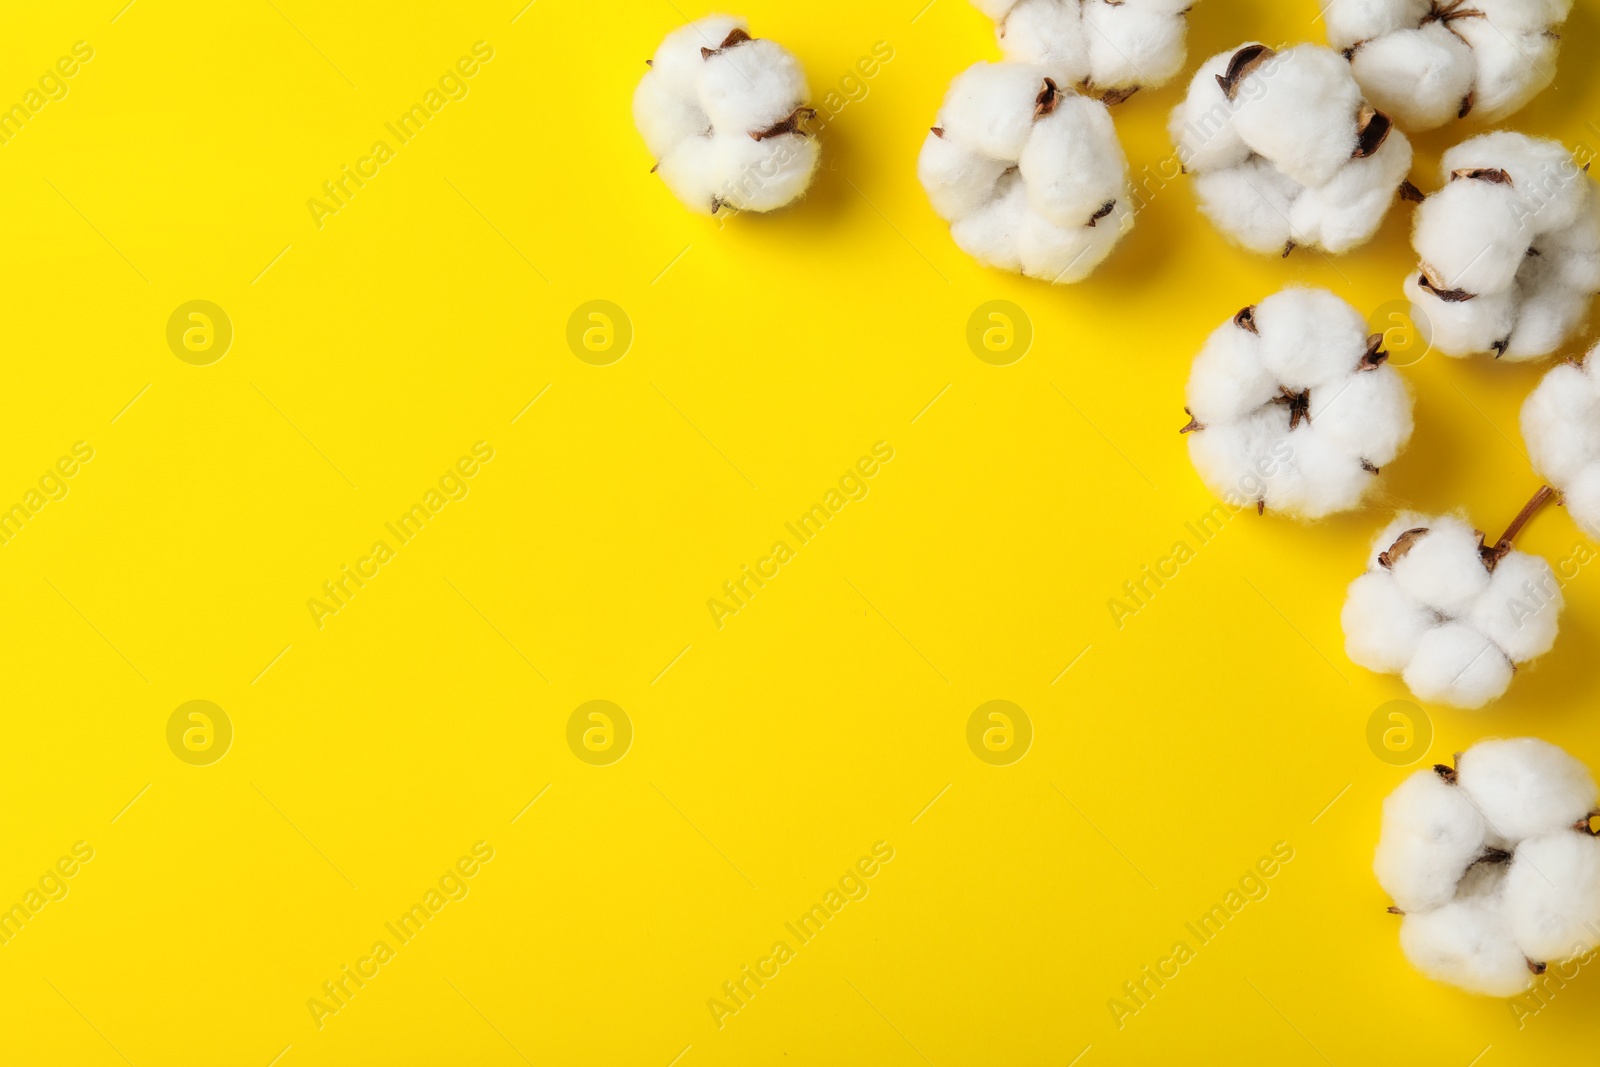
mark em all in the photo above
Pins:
pixel 1449 614
pixel 1492 865
pixel 1561 424
pixel 1108 48
pixel 1509 249
pixel 1428 62
pixel 1285 151
pixel 723 114
pixel 1291 405
pixel 1030 175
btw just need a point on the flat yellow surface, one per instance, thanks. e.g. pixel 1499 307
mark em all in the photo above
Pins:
pixel 407 745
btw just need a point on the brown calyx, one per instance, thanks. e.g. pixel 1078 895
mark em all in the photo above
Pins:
pixel 1375 356
pixel 1493 175
pixel 1493 554
pixel 1244 62
pixel 1299 404
pixel 792 124
pixel 735 37
pixel 1372 129
pixel 1586 824
pixel 1048 100
pixel 1193 424
pixel 1449 296
pixel 1447 772
pixel 1387 559
pixel 1105 209
pixel 1246 320
pixel 1113 97
pixel 1411 193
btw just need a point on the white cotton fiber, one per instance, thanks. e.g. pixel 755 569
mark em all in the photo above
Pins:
pixel 1561 425
pixel 723 114
pixel 1508 249
pixel 1430 62
pixel 1285 151
pixel 1029 174
pixel 1108 48
pixel 1492 865
pixel 1452 619
pixel 1293 407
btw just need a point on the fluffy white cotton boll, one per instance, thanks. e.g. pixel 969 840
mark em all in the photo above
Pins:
pixel 1431 833
pixel 1285 151
pixel 1430 63
pixel 1492 865
pixel 1133 44
pixel 1029 174
pixel 1347 211
pixel 1521 609
pixel 1524 787
pixel 1467 944
pixel 1509 249
pixel 1111 46
pixel 1201 126
pixel 1552 895
pixel 1288 403
pixel 1382 626
pixel 1480 613
pixel 720 111
pixel 1299 110
pixel 1442 568
pixel 1419 76
pixel 1457 664
pixel 1251 203
pixel 1349 21
pixel 1561 425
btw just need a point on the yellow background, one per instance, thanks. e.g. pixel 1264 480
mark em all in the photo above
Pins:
pixel 769 353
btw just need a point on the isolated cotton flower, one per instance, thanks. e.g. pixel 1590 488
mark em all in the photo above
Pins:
pixel 723 114
pixel 1561 424
pixel 1450 614
pixel 1286 152
pixel 1493 866
pixel 1107 48
pixel 1292 406
pixel 1429 62
pixel 1509 249
pixel 1029 174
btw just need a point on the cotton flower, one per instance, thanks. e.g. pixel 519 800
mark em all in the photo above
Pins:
pixel 723 114
pixel 1450 614
pixel 1429 62
pixel 1028 173
pixel 1509 249
pixel 1107 48
pixel 1292 406
pixel 1561 424
pixel 1492 865
pixel 1286 152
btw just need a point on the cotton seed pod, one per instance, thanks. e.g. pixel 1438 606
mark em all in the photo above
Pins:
pixel 1509 249
pixel 1293 407
pixel 1431 62
pixel 1451 615
pixel 1286 152
pixel 723 113
pixel 1029 174
pixel 1493 866
pixel 1561 425
pixel 1106 48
